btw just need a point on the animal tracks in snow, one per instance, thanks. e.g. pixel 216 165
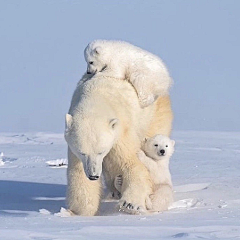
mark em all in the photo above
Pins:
pixel 191 187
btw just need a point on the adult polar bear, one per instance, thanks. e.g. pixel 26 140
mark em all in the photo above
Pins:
pixel 105 121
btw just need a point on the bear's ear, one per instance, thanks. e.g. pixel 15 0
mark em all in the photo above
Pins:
pixel 97 50
pixel 173 142
pixel 113 123
pixel 68 122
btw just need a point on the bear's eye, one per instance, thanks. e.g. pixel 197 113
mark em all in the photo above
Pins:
pixel 166 145
pixel 90 62
pixel 156 145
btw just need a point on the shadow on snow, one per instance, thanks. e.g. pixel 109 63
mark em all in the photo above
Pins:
pixel 29 196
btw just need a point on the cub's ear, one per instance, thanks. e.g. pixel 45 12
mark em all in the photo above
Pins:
pixel 97 50
pixel 68 122
pixel 173 142
pixel 145 140
pixel 113 123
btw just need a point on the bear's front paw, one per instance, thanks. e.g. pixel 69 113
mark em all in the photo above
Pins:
pixel 131 208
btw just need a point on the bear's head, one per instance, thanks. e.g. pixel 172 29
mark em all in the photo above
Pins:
pixel 91 141
pixel 158 147
pixel 96 58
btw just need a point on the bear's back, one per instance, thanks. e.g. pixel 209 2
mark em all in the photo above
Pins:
pixel 99 90
pixel 100 94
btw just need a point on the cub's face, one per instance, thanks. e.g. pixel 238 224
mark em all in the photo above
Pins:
pixel 95 59
pixel 159 147
pixel 91 142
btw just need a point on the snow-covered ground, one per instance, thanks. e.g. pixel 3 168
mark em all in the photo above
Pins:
pixel 206 175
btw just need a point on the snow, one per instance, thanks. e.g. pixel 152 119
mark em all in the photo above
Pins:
pixel 1 159
pixel 63 213
pixel 206 176
pixel 44 211
pixel 62 162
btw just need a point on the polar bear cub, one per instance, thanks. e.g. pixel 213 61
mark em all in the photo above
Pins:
pixel 144 70
pixel 155 155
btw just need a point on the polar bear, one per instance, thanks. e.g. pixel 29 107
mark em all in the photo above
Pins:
pixel 104 131
pixel 144 70
pixel 155 155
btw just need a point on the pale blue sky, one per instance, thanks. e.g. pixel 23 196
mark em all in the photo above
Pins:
pixel 41 56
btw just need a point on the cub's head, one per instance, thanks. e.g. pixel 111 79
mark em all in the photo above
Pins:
pixel 96 57
pixel 159 147
pixel 90 140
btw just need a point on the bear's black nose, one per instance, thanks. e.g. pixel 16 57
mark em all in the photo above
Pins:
pixel 88 72
pixel 162 151
pixel 93 177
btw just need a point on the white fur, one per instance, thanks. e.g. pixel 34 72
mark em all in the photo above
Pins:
pixel 99 119
pixel 155 156
pixel 104 132
pixel 118 59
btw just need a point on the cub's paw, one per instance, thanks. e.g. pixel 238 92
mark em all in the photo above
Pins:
pixel 131 208
pixel 141 156
pixel 146 100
